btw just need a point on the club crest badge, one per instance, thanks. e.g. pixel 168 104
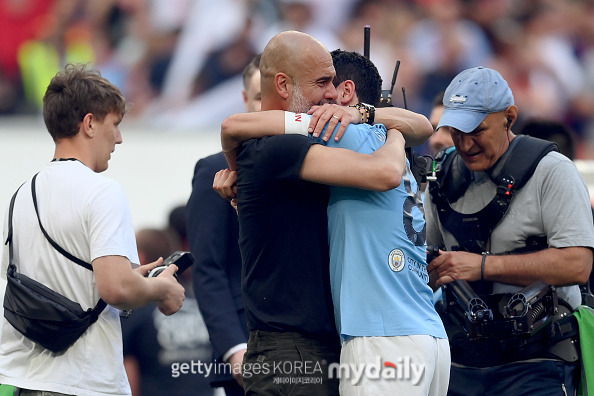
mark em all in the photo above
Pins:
pixel 396 260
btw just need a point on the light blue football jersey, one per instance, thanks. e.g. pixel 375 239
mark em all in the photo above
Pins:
pixel 378 267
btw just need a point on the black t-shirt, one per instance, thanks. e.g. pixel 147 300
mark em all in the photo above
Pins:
pixel 173 352
pixel 283 239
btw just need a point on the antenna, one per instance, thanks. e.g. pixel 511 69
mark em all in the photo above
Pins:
pixel 408 150
pixel 386 98
pixel 366 38
pixel 395 75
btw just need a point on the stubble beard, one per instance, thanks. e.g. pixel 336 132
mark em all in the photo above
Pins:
pixel 300 104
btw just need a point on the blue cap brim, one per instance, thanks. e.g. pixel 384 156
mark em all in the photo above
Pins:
pixel 463 120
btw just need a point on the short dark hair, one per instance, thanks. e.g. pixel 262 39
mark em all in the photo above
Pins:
pixel 354 66
pixel 75 92
pixel 250 69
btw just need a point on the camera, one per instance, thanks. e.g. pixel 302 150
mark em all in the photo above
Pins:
pixel 432 253
pixel 182 259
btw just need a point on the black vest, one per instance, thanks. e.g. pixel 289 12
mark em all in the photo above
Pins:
pixel 510 173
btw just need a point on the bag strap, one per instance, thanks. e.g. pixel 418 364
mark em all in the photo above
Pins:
pixel 50 240
pixel 11 266
pixel 100 304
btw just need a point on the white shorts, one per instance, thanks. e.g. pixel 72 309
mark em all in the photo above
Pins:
pixel 401 365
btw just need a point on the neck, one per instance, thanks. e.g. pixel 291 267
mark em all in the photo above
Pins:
pixel 66 148
pixel 273 105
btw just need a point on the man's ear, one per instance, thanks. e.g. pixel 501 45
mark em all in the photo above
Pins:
pixel 88 125
pixel 511 114
pixel 245 99
pixel 282 83
pixel 346 93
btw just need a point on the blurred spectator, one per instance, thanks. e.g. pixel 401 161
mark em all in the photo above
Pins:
pixel 441 137
pixel 303 15
pixel 155 345
pixel 19 21
pixel 177 224
pixel 225 62
pixel 38 38
pixel 208 26
pixel 174 58
pixel 153 243
pixel 388 22
pixel 553 131
pixel 442 43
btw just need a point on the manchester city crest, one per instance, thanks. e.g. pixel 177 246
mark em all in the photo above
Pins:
pixel 396 260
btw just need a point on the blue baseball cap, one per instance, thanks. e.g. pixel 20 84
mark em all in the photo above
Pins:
pixel 473 95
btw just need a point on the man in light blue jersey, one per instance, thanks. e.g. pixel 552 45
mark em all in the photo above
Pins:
pixel 382 303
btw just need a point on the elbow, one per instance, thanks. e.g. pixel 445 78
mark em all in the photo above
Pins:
pixel 228 127
pixel 583 274
pixel 427 128
pixel 422 131
pixel 115 296
pixel 232 128
pixel 390 179
pixel 585 268
pixel 579 266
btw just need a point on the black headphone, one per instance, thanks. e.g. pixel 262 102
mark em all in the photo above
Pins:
pixel 509 121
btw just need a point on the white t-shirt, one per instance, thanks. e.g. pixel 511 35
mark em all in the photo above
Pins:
pixel 88 216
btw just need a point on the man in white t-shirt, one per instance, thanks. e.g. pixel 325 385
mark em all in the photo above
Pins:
pixel 86 214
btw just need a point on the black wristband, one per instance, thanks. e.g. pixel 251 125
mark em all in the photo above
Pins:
pixel 371 112
pixel 485 254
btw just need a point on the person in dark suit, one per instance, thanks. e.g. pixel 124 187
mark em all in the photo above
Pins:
pixel 213 232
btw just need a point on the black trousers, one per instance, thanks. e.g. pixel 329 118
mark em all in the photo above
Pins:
pixel 541 378
pixel 289 363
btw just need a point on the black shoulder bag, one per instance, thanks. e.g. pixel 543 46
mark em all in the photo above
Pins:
pixel 39 313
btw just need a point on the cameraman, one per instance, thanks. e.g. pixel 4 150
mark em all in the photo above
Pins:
pixel 88 216
pixel 553 204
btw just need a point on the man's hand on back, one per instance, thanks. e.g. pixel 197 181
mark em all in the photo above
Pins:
pixel 332 114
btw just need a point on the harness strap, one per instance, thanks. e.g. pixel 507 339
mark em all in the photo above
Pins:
pixel 510 173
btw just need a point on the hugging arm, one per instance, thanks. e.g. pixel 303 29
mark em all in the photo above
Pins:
pixel 241 127
pixel 380 171
pixel 415 127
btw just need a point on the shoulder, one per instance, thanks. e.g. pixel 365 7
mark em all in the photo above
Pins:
pixel 104 188
pixel 211 164
pixel 556 173
pixel 214 160
pixel 358 135
pixel 555 162
pixel 84 181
